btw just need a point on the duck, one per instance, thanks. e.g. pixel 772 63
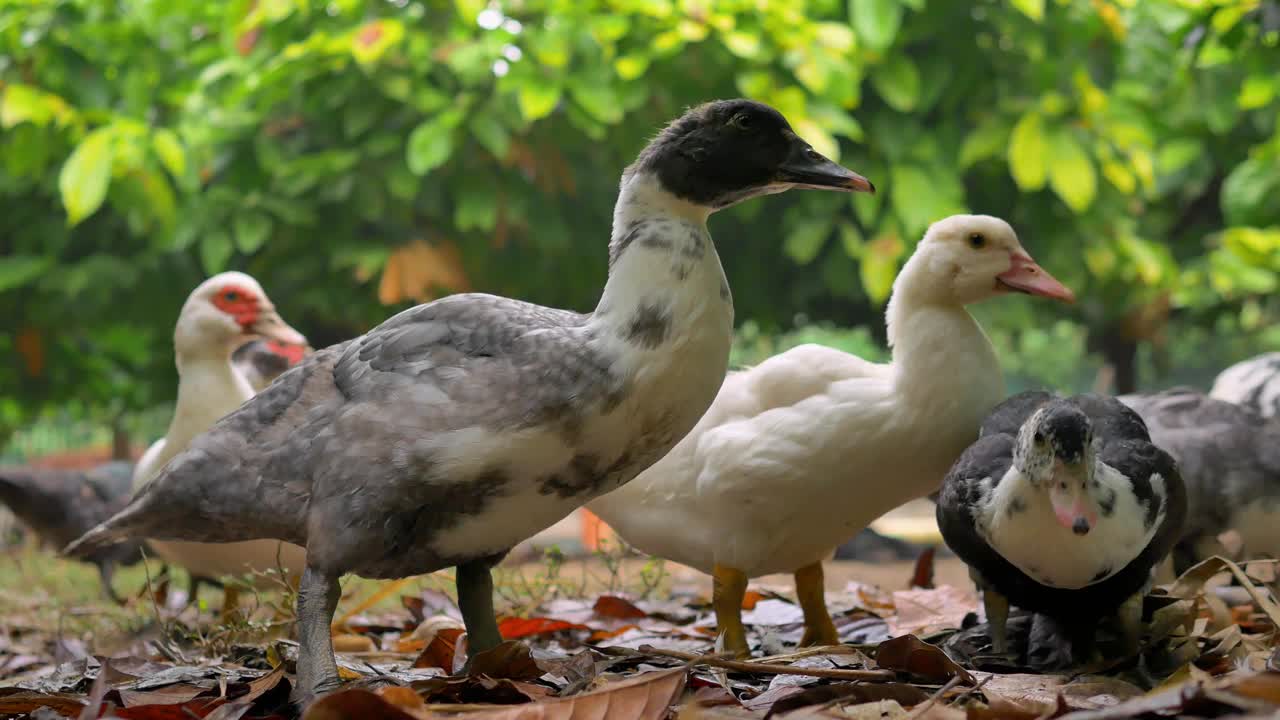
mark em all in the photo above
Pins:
pixel 1229 457
pixel 460 427
pixel 1063 507
pixel 800 452
pixel 222 315
pixel 262 361
pixel 60 505
pixel 1252 383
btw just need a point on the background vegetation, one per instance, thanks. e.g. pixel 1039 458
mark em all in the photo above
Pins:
pixel 360 156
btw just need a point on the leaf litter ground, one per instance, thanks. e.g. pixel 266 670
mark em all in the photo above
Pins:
pixel 641 650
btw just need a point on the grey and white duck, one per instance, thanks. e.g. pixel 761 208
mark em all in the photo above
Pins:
pixel 458 428
pixel 1229 456
pixel 1063 507
pixel 1252 383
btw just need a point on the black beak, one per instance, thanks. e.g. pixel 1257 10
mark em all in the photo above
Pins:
pixel 807 168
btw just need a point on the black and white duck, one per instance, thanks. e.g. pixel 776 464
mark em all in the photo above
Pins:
pixel 1252 383
pixel 1229 457
pixel 1063 507
pixel 458 428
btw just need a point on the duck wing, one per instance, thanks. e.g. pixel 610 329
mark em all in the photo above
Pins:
pixel 364 422
pixel 1007 417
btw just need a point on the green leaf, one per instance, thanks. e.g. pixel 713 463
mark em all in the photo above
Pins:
pixel 1248 192
pixel 879 266
pixel 806 238
pixel 1027 150
pixel 744 44
pixel 1071 172
pixel 169 149
pixel 898 82
pixel 488 130
pixel 631 66
pixel 537 98
pixel 86 174
pixel 986 141
pixel 371 41
pixel 1033 9
pixel 595 94
pixel 921 196
pixel 252 227
pixel 876 21
pixel 22 103
pixel 851 239
pixel 1178 154
pixel 215 250
pixel 1257 91
pixel 18 270
pixel 431 143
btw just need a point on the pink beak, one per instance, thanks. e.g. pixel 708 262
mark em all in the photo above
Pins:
pixel 1025 275
pixel 1073 510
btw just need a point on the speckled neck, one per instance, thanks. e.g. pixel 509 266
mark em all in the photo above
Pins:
pixel 665 278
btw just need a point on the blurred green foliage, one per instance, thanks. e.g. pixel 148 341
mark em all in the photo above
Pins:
pixel 359 156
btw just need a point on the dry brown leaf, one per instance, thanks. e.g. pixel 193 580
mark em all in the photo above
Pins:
pixel 440 650
pixel 510 660
pixel 22 703
pixel 167 695
pixel 852 693
pixel 910 654
pixel 348 642
pixel 1191 584
pixel 418 271
pixel 925 611
pixel 612 606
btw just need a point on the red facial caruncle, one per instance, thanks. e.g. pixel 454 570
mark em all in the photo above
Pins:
pixel 239 303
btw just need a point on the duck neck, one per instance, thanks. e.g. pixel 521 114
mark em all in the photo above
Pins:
pixel 208 388
pixel 938 347
pixel 666 285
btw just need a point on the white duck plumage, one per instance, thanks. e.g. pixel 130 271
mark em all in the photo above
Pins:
pixel 217 317
pixel 1252 383
pixel 804 450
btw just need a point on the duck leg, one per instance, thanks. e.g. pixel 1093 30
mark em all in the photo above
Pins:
pixel 810 591
pixel 317 601
pixel 1130 616
pixel 997 610
pixel 728 587
pixel 106 570
pixel 475 600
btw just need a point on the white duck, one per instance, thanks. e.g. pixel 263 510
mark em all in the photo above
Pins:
pixel 803 451
pixel 217 318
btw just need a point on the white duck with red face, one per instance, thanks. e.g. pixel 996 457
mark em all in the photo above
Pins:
pixel 219 316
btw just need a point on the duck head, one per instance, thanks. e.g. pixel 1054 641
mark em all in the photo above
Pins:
pixel 1055 453
pixel 721 153
pixel 224 312
pixel 969 258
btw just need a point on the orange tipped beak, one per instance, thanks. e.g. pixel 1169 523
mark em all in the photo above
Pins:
pixel 1026 276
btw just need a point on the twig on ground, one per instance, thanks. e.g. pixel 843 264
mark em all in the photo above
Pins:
pixel 923 707
pixel 771 668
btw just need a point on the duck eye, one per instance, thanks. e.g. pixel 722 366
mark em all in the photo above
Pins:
pixel 231 296
pixel 977 241
pixel 1039 438
pixel 741 120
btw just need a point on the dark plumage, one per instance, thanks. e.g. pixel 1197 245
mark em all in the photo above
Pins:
pixel 1086 462
pixel 1229 456
pixel 61 505
pixel 458 428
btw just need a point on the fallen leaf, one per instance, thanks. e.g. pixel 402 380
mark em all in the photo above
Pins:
pixel 910 654
pixel 402 697
pixel 922 573
pixel 21 703
pixel 855 693
pixel 510 660
pixel 348 642
pixel 356 704
pixel 647 696
pixel 750 598
pixel 925 611
pixel 168 695
pixel 440 650
pixel 515 628
pixel 612 606
pixel 599 635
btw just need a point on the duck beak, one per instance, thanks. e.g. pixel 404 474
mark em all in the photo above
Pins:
pixel 1072 507
pixel 269 325
pixel 809 169
pixel 1026 276
pixel 291 352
